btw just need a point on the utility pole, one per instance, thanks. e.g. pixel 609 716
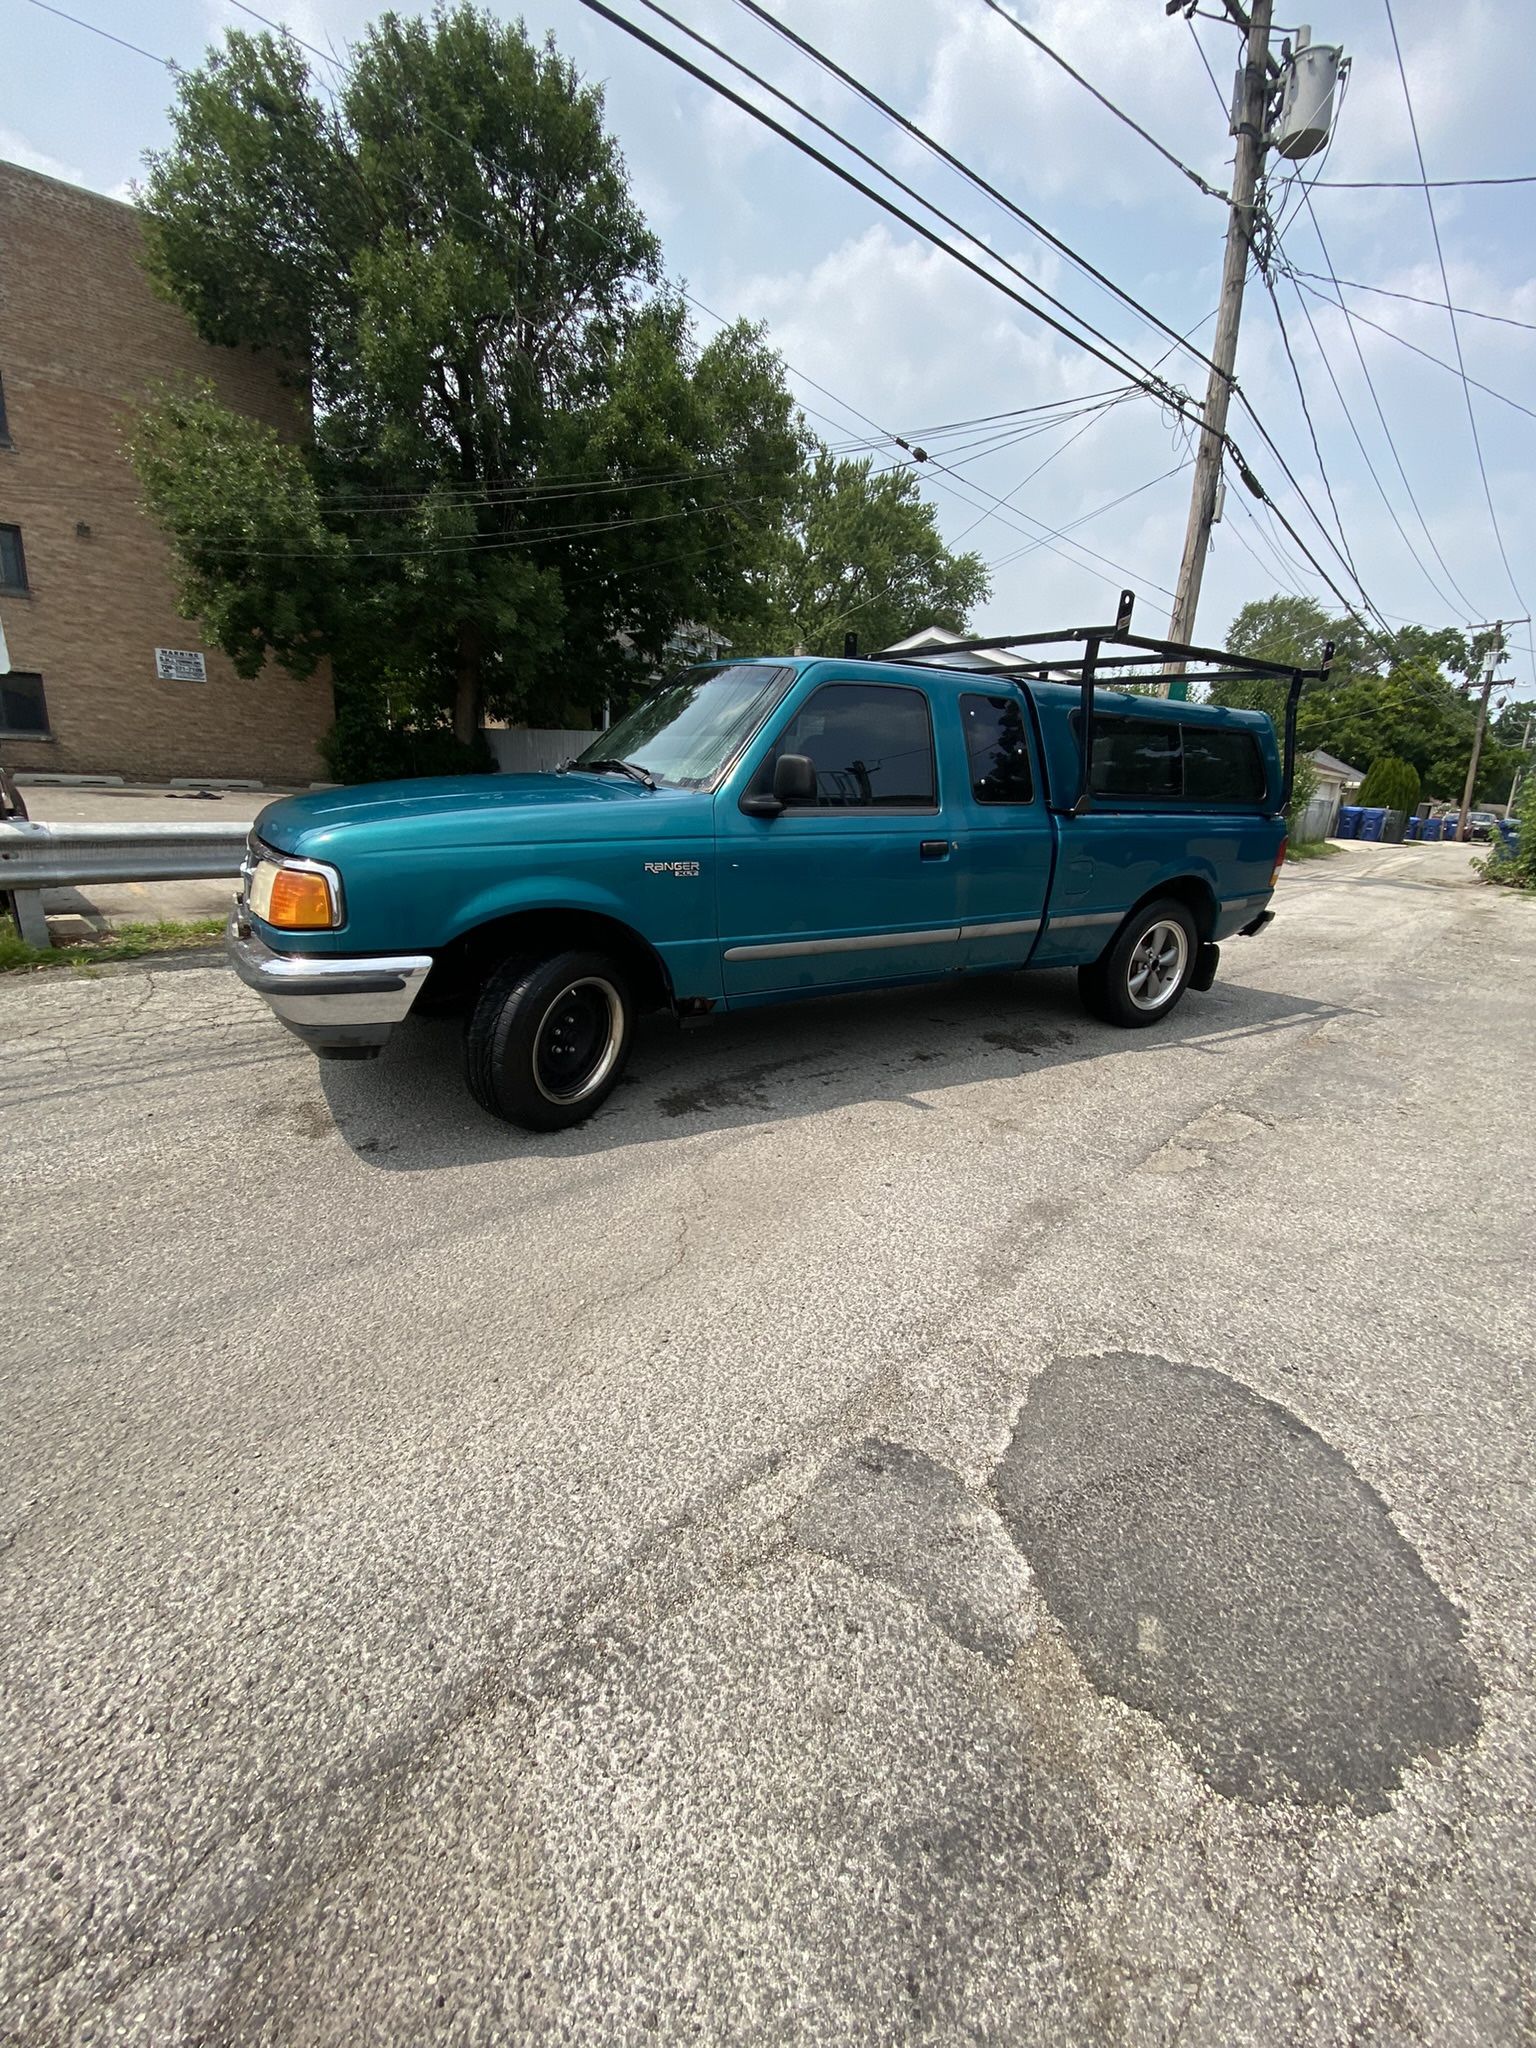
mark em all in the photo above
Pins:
pixel 1495 656
pixel 1250 113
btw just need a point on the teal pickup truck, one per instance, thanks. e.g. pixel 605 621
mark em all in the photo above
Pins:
pixel 761 830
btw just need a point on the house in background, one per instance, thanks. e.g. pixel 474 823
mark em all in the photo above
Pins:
pixel 1336 781
pixel 100 673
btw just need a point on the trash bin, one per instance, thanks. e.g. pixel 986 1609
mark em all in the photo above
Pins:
pixel 1349 821
pixel 1395 826
pixel 1372 823
pixel 1414 827
pixel 1429 828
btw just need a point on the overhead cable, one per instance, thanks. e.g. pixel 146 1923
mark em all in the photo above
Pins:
pixel 1029 35
pixel 1434 226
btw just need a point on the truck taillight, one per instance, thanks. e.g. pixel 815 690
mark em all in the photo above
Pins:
pixel 1279 862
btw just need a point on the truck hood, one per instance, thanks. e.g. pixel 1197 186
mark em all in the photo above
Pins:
pixel 477 810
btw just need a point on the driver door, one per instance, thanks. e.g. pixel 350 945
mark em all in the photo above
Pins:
pixel 859 885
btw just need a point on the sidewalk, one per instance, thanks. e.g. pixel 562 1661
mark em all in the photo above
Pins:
pixel 116 903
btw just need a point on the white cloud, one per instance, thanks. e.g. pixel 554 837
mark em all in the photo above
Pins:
pixel 15 149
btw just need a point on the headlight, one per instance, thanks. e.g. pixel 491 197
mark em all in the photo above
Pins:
pixel 296 896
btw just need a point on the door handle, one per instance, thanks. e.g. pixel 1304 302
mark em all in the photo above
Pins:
pixel 935 849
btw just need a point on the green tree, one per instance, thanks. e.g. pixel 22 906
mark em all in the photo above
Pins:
pixel 1396 697
pixel 520 472
pixel 861 553
pixel 1391 783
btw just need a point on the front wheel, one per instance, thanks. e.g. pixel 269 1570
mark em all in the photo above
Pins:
pixel 547 1039
pixel 1145 969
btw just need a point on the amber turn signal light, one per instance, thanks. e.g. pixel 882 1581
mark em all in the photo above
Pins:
pixel 294 899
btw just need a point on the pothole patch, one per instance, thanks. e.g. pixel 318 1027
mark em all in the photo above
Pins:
pixel 1215 1563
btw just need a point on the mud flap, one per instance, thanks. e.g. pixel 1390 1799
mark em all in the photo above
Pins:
pixel 1207 958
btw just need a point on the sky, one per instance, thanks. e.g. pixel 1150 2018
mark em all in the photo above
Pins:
pixel 886 335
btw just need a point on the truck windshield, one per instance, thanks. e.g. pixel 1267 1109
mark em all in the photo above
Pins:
pixel 687 731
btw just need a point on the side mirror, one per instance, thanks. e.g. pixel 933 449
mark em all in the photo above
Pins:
pixel 794 782
pixel 794 779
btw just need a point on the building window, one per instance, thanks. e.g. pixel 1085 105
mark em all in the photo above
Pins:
pixel 13 563
pixel 23 707
pixel 5 432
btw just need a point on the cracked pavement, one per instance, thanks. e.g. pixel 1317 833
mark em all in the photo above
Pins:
pixel 930 1520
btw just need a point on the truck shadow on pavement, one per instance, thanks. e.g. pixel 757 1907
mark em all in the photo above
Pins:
pixel 410 1110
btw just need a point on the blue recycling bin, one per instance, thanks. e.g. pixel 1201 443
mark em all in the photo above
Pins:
pixel 1415 827
pixel 1349 821
pixel 1430 828
pixel 1372 823
pixel 1448 826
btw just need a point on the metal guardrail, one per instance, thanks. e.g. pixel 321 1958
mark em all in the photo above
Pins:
pixel 34 856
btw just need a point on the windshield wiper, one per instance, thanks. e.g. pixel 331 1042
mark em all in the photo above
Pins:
pixel 630 768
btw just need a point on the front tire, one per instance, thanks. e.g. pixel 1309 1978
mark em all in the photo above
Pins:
pixel 548 1039
pixel 1143 973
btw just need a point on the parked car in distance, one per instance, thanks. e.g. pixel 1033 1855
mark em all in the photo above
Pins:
pixel 756 832
pixel 1481 824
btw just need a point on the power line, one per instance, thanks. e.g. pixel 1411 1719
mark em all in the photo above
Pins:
pixel 1306 412
pixel 1211 191
pixel 825 128
pixel 1370 385
pixel 168 63
pixel 1179 402
pixel 1371 467
pixel 955 163
pixel 931 463
pixel 1419 184
pixel 1140 376
pixel 1434 225
pixel 1380 291
pixel 1412 346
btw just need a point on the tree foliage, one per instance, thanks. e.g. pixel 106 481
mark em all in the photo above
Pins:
pixel 1391 784
pixel 514 473
pixel 1397 697
pixel 861 552
pixel 518 452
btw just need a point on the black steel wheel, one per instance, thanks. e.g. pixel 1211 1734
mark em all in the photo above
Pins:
pixel 547 1039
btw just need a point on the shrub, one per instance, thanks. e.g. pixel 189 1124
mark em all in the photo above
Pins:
pixel 1517 870
pixel 1391 785
pixel 367 744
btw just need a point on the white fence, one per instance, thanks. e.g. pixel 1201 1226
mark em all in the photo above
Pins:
pixel 531 749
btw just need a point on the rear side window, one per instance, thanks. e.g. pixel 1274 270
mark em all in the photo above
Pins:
pixel 1134 757
pixel 1161 762
pixel 1222 766
pixel 871 745
pixel 998 750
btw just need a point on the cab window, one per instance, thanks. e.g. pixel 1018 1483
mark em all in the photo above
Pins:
pixel 871 745
pixel 998 749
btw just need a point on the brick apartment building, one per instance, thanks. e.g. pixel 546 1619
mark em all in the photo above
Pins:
pixel 104 675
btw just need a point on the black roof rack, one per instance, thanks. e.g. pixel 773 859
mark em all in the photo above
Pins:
pixel 1087 668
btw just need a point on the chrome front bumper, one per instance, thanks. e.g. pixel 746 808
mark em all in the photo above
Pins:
pixel 342 1007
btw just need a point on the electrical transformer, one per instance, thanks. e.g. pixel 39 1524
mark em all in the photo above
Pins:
pixel 1306 98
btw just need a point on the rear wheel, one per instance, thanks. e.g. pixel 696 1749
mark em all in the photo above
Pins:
pixel 1145 969
pixel 547 1039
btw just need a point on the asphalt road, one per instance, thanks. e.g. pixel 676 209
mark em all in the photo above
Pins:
pixel 931 1520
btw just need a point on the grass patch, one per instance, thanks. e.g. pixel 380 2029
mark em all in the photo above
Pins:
pixel 1311 849
pixel 128 942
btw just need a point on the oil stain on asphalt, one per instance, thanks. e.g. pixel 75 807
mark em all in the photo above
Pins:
pixel 1216 1564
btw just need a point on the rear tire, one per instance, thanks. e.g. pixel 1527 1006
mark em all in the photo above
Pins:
pixel 547 1039
pixel 1143 972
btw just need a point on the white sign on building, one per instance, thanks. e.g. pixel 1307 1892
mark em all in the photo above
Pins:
pixel 180 665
